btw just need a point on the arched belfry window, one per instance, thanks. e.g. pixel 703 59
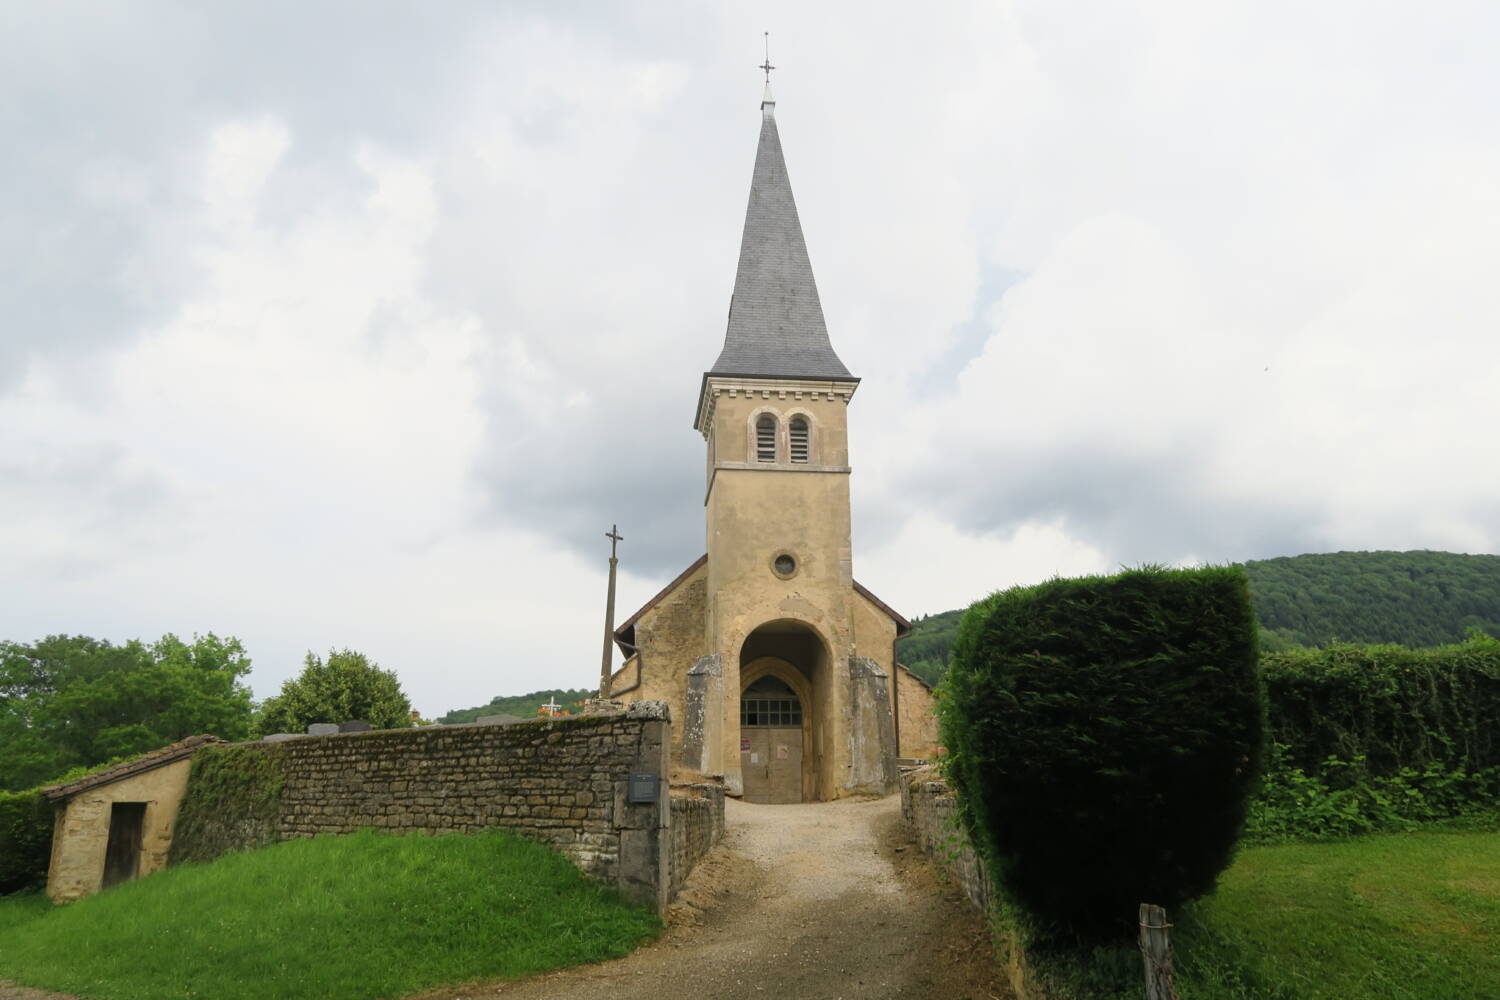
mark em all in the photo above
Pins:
pixel 798 438
pixel 765 438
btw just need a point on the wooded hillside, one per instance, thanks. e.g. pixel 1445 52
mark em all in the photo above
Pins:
pixel 1416 599
pixel 523 705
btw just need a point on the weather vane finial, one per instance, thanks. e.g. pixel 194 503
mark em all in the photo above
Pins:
pixel 767 64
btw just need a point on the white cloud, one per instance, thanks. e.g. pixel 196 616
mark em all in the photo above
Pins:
pixel 366 356
pixel 931 565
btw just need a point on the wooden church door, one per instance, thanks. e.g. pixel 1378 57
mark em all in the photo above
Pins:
pixel 771 742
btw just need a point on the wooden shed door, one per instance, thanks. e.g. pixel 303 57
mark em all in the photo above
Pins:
pixel 122 856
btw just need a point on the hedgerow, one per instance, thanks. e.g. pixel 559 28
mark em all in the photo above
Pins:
pixel 1387 707
pixel 1104 734
pixel 25 839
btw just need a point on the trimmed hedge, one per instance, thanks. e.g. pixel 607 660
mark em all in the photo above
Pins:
pixel 1388 706
pixel 1104 735
pixel 25 840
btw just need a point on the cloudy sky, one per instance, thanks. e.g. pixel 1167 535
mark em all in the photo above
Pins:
pixel 357 324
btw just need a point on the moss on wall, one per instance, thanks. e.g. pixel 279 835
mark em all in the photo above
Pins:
pixel 233 801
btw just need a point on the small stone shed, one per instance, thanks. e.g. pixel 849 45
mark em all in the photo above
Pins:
pixel 116 825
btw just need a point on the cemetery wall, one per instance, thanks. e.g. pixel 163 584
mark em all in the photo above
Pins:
pixel 565 782
pixel 932 812
pixel 697 825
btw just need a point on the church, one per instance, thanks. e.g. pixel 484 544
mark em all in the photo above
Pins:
pixel 779 667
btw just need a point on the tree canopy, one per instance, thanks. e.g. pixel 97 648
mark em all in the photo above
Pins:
pixel 346 686
pixel 1416 599
pixel 73 701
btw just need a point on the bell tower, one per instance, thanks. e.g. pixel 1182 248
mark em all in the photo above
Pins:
pixel 772 410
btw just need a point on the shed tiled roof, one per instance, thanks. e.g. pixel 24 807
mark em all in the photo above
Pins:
pixel 776 327
pixel 156 758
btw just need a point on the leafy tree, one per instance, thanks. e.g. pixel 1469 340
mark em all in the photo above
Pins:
pixel 348 686
pixel 74 701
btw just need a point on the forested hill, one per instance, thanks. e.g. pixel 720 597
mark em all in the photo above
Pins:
pixel 522 705
pixel 1413 598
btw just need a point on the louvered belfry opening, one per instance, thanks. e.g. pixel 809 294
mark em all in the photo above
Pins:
pixel 798 438
pixel 765 438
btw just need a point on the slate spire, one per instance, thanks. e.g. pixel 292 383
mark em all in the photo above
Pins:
pixel 776 327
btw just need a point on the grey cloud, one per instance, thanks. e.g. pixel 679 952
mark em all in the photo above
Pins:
pixel 1135 508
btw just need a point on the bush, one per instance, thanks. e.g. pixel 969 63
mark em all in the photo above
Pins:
pixel 25 840
pixel 1104 734
pixel 1389 706
pixel 1343 799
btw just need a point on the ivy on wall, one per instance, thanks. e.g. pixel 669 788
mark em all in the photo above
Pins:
pixel 232 801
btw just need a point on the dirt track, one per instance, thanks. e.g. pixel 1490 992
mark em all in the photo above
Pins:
pixel 813 902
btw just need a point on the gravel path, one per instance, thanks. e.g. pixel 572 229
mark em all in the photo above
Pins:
pixel 812 902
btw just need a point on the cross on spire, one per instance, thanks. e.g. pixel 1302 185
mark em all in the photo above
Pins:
pixel 767 64
pixel 614 536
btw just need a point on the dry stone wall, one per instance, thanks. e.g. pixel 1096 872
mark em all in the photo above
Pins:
pixel 565 782
pixel 932 811
pixel 697 825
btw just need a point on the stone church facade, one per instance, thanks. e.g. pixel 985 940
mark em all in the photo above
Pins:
pixel 780 665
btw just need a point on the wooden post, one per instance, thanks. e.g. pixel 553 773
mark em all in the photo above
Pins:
pixel 1156 953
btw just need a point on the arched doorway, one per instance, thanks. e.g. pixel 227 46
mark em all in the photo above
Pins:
pixel 771 741
pixel 784 682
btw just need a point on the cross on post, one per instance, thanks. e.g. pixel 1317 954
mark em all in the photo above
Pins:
pixel 605 673
pixel 767 64
pixel 552 706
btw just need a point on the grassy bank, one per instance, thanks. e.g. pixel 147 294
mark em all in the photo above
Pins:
pixel 369 915
pixel 1389 917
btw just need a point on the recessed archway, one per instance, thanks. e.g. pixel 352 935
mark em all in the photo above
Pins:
pixel 784 681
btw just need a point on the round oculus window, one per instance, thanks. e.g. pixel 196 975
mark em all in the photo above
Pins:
pixel 784 565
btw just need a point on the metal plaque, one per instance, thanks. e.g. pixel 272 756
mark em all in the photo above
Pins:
pixel 645 787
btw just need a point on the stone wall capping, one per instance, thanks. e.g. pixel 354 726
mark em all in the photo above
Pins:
pixel 649 710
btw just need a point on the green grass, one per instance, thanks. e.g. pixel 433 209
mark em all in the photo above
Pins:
pixel 1389 917
pixel 368 915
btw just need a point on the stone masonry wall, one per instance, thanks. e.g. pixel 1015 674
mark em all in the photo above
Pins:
pixel 697 825
pixel 563 781
pixel 931 810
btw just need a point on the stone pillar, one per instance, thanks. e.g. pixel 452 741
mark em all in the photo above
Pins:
pixel 729 718
pixel 703 723
pixel 645 828
pixel 872 730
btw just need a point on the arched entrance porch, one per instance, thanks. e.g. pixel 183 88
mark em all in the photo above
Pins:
pixel 784 692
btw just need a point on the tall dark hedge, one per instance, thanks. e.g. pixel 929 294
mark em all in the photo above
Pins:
pixel 25 840
pixel 1393 706
pixel 1104 736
